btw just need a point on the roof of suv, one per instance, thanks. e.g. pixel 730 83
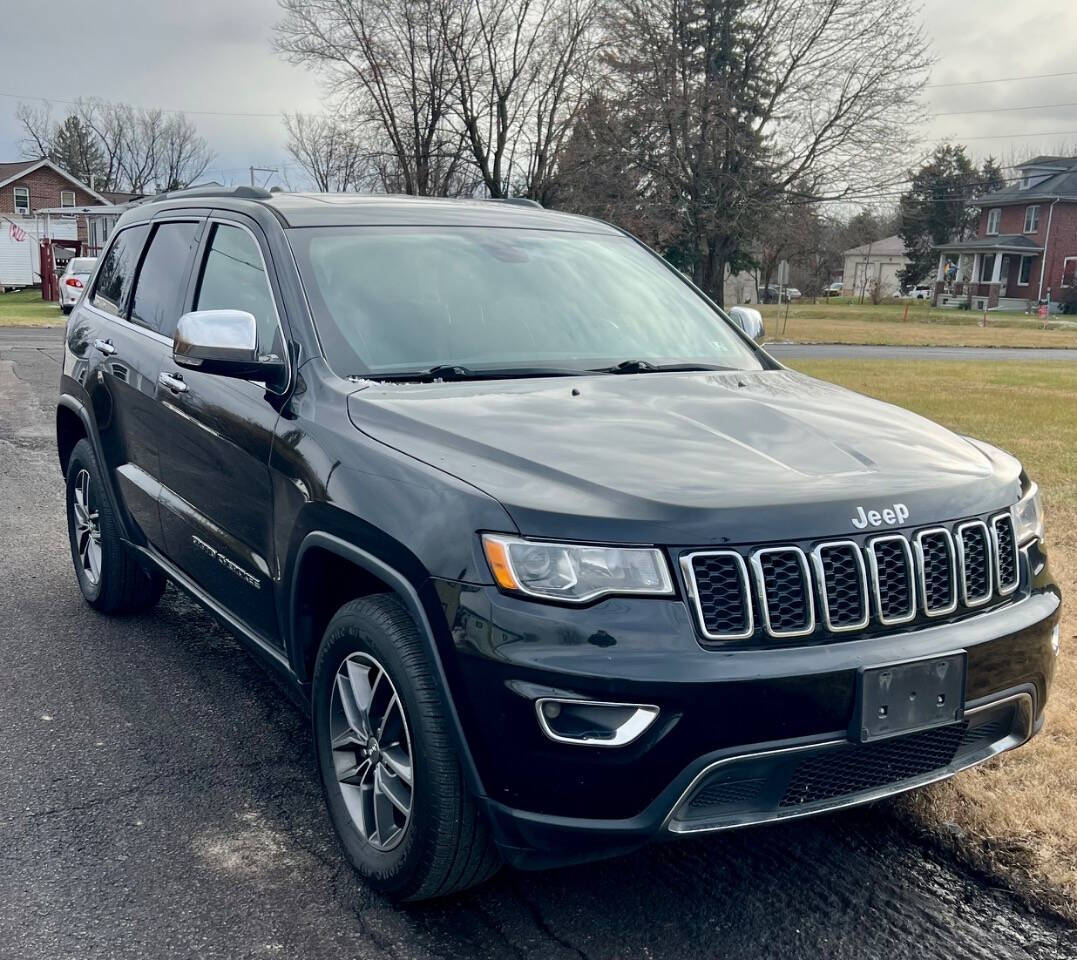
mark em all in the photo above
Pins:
pixel 352 209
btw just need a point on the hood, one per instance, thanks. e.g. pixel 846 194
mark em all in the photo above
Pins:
pixel 688 458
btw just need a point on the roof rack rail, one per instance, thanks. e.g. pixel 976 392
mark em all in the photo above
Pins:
pixel 238 193
pixel 516 201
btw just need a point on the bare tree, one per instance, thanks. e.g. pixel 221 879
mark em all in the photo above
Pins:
pixel 523 71
pixel 182 154
pixel 118 146
pixel 386 58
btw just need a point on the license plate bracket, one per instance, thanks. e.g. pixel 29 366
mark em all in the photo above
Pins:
pixel 910 696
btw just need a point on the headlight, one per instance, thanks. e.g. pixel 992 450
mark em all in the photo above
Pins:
pixel 574 572
pixel 1028 516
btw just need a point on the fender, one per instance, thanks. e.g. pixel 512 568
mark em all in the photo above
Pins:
pixel 409 596
pixel 75 405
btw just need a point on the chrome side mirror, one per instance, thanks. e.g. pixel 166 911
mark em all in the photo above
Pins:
pixel 750 321
pixel 224 342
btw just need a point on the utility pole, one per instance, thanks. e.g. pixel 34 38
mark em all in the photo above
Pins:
pixel 262 170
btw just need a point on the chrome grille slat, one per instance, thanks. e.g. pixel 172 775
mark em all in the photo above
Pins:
pixel 721 581
pixel 784 591
pixel 893 581
pixel 843 585
pixel 936 560
pixel 1004 540
pixel 974 562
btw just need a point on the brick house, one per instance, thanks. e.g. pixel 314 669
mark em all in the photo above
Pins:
pixel 1025 249
pixel 27 186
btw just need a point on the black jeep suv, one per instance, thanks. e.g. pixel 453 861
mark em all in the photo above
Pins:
pixel 559 558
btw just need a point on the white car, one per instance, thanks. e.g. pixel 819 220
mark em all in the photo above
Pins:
pixel 74 279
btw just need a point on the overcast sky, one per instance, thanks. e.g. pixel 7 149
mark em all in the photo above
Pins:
pixel 215 56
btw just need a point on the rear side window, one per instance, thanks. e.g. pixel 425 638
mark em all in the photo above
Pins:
pixel 233 278
pixel 156 302
pixel 117 271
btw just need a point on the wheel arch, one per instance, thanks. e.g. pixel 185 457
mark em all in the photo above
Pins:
pixel 72 425
pixel 319 549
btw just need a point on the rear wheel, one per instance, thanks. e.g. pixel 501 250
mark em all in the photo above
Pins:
pixel 393 783
pixel 110 579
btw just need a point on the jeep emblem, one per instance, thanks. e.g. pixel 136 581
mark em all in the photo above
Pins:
pixel 890 516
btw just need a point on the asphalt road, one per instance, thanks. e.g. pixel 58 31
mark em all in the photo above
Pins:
pixel 158 798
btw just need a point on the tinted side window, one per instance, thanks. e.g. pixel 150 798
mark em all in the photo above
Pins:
pixel 156 302
pixel 233 279
pixel 117 271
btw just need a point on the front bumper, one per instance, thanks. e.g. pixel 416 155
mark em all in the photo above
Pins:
pixel 737 728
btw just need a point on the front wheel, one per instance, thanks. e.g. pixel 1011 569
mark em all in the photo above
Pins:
pixel 392 780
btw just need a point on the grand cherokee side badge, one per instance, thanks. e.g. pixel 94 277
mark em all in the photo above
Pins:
pixel 228 565
pixel 890 516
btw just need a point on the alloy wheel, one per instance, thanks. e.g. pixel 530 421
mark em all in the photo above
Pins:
pixel 87 528
pixel 371 748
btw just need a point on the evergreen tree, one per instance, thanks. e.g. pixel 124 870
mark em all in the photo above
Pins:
pixel 75 148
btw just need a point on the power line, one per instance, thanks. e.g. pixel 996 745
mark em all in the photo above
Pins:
pixel 972 83
pixel 1032 106
pixel 1008 136
pixel 194 113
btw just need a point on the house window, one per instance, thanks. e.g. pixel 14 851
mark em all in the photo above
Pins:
pixel 1069 272
pixel 993 217
pixel 987 267
pixel 1024 271
pixel 67 198
pixel 1026 180
pixel 22 200
pixel 1032 218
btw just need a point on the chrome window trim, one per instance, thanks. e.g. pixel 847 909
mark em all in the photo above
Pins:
pixel 761 586
pixel 986 598
pixel 199 268
pixel 631 730
pixel 688 570
pixel 922 570
pixel 873 562
pixel 817 563
pixel 1005 591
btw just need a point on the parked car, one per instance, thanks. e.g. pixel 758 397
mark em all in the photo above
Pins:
pixel 919 292
pixel 74 279
pixel 834 290
pixel 560 559
pixel 773 293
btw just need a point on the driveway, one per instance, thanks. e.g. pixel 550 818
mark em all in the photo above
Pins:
pixel 159 798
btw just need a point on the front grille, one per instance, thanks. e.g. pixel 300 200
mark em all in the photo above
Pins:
pixel 721 792
pixel 866 766
pixel 785 591
pixel 974 559
pixel 1005 553
pixel 854 584
pixel 938 571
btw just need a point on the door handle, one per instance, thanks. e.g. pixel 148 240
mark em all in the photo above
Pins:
pixel 174 382
pixel 105 347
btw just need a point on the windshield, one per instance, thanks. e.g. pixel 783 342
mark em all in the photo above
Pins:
pixel 390 300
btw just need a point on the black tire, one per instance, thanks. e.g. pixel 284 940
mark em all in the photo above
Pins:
pixel 446 845
pixel 117 583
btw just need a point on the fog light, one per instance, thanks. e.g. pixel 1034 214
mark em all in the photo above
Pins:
pixel 593 723
pixel 1056 639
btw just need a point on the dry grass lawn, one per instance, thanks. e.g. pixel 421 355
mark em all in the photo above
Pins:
pixel 27 309
pixel 840 322
pixel 1017 814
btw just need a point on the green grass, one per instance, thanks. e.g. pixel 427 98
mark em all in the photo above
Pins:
pixel 27 309
pixel 1016 815
pixel 839 321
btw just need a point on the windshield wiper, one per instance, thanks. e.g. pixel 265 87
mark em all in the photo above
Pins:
pixel 453 371
pixel 646 366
